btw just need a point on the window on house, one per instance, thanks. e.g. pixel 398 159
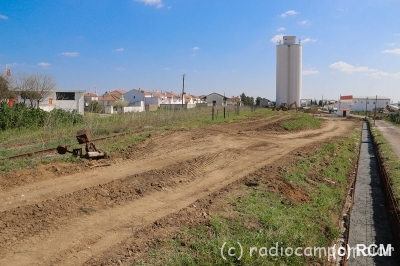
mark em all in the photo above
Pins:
pixel 367 102
pixel 355 101
pixel 373 103
pixel 387 102
pixel 64 96
pixel 361 101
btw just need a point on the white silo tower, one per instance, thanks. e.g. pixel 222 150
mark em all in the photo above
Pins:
pixel 288 71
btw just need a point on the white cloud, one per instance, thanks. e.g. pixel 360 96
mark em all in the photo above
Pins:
pixel 310 72
pixel 396 75
pixel 157 3
pixel 120 69
pixel 344 67
pixel 167 68
pixel 306 40
pixel 305 22
pixel 43 64
pixel 394 51
pixel 119 50
pixel 289 13
pixel 392 44
pixel 70 54
pixel 195 49
pixel 281 29
pixel 397 34
pixel 277 38
pixel 379 74
pixel 3 17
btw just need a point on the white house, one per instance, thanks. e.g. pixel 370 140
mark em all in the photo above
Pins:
pixel 90 97
pixel 68 100
pixel 135 96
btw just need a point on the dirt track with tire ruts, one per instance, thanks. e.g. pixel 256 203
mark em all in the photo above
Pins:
pixel 66 214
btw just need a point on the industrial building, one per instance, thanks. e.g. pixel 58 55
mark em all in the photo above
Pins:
pixel 288 71
pixel 350 103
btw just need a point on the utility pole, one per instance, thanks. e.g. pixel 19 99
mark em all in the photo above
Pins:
pixel 183 87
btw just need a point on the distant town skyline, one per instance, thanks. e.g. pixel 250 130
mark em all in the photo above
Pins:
pixel 222 46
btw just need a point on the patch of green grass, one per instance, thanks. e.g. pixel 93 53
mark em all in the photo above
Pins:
pixel 301 121
pixel 262 218
pixel 390 160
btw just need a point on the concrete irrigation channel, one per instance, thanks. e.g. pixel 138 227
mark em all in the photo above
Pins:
pixel 369 220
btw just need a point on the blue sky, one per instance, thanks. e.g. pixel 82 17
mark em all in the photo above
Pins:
pixel 349 47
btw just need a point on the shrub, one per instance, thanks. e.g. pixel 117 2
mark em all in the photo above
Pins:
pixel 22 116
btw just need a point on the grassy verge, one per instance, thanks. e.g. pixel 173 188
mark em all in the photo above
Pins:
pixel 257 216
pixel 137 126
pixel 390 161
pixel 301 121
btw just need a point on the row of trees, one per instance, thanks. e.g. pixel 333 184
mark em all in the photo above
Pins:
pixel 247 100
pixel 31 87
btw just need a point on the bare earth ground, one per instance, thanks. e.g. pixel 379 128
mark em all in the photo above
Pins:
pixel 65 214
pixel 391 134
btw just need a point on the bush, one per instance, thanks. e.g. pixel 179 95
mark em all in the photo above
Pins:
pixel 22 116
pixel 59 116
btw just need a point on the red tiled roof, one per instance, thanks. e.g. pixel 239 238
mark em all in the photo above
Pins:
pixel 109 98
pixel 346 97
pixel 233 99
pixel 122 92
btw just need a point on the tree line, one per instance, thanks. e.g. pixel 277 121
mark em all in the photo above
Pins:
pixel 32 88
pixel 247 100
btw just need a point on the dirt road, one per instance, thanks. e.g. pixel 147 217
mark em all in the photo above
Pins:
pixel 63 214
pixel 391 134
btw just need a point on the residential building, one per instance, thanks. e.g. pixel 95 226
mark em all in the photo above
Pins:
pixel 216 99
pixel 68 100
pixel 90 97
pixel 234 100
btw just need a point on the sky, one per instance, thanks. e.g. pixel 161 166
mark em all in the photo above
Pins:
pixel 223 46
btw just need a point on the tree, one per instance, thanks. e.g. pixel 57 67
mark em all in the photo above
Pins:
pixel 34 87
pixel 120 104
pixel 5 91
pixel 3 88
pixel 258 101
pixel 94 107
pixel 43 85
pixel 247 100
pixel 243 98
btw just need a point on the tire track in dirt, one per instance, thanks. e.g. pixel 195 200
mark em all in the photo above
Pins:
pixel 216 167
pixel 29 220
pixel 135 248
pixel 164 149
pixel 102 230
